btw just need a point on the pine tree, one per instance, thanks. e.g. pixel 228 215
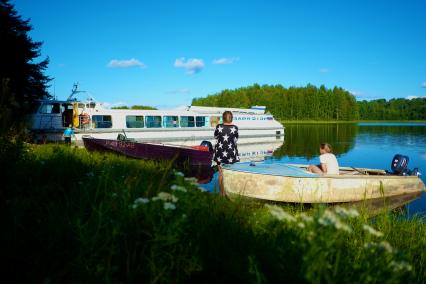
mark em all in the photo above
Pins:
pixel 18 70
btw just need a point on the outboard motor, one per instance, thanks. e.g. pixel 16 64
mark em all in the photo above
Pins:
pixel 399 166
pixel 207 144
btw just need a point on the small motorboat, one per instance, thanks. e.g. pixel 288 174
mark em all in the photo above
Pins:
pixel 193 156
pixel 274 181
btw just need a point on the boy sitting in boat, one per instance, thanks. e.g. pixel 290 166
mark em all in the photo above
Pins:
pixel 328 162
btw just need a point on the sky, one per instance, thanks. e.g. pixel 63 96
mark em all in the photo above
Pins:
pixel 165 53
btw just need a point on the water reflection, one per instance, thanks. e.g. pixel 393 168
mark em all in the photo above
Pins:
pixel 303 140
pixel 373 207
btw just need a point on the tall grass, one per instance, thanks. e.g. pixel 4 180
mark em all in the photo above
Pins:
pixel 72 216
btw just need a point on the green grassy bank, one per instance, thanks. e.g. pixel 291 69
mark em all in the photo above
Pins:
pixel 72 216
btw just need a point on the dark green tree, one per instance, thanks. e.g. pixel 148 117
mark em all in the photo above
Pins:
pixel 18 67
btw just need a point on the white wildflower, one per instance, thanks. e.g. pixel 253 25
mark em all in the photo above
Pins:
pixel 175 187
pixel 331 219
pixel 328 218
pixel 178 174
pixel 169 206
pixel 280 214
pixel 305 217
pixel 191 180
pixel 342 226
pixel 383 245
pixel 141 200
pixel 372 231
pixel 301 225
pixel 401 266
pixel 346 213
pixel 386 246
pixel 164 196
pixel 201 189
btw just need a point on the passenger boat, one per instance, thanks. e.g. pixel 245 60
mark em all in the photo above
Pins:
pixel 189 126
pixel 293 183
pixel 193 156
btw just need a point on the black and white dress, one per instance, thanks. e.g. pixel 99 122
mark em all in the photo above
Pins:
pixel 225 150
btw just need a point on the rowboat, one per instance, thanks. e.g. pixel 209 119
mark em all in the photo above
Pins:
pixel 193 156
pixel 293 183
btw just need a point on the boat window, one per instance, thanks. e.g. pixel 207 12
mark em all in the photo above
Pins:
pixel 101 121
pixel 215 120
pixel 202 121
pixel 50 108
pixel 135 121
pixel 80 105
pixel 170 121
pixel 153 121
pixel 187 121
pixel 91 105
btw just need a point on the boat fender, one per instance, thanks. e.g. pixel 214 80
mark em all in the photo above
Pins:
pixel 208 144
pixel 84 118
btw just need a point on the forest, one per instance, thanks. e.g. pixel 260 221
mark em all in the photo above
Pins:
pixel 313 103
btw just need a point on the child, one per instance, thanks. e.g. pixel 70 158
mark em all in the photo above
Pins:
pixel 328 162
pixel 225 150
pixel 68 133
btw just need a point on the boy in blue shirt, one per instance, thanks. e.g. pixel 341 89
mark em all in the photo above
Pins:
pixel 68 133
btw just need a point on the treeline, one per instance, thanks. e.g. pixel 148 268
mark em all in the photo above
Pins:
pixel 394 109
pixel 294 103
pixel 313 103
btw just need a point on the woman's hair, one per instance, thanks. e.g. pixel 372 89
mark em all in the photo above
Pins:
pixel 326 147
pixel 227 117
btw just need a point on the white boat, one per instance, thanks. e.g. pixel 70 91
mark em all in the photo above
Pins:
pixel 187 126
pixel 293 183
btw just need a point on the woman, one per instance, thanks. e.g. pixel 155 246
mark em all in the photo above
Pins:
pixel 328 162
pixel 225 150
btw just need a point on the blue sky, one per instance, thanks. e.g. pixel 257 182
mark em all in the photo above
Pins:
pixel 164 53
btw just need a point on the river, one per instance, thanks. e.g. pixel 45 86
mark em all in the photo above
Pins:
pixel 367 145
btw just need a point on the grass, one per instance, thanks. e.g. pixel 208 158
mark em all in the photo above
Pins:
pixel 72 216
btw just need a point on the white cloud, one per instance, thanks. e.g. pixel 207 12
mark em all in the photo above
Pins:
pixel 224 60
pixel 413 97
pixel 183 91
pixel 192 65
pixel 424 85
pixel 324 70
pixel 114 63
pixel 358 94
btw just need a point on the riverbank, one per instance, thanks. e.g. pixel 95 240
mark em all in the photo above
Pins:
pixel 73 216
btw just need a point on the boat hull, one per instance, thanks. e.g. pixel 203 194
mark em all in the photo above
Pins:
pixel 317 189
pixel 153 151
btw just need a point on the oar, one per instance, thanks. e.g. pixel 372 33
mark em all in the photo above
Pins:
pixel 363 173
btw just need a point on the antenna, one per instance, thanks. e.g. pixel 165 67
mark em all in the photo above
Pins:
pixel 74 91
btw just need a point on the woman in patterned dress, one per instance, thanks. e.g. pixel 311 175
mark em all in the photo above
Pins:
pixel 225 150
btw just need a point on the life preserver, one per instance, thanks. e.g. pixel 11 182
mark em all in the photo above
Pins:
pixel 84 118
